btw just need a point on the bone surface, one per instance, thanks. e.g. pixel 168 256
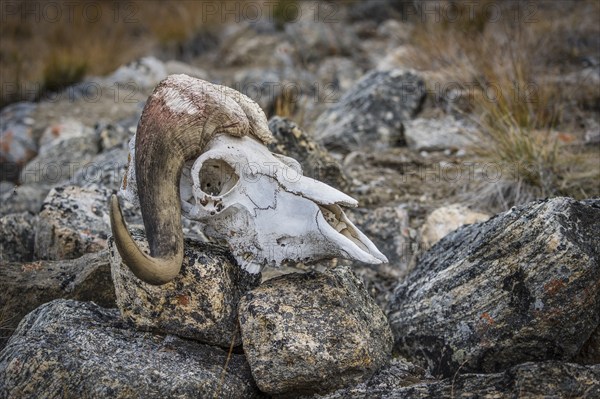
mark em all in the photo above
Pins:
pixel 259 202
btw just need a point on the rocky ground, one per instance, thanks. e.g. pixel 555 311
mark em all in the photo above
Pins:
pixel 480 298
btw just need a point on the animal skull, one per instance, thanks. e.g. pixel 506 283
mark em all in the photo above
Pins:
pixel 263 206
pixel 200 151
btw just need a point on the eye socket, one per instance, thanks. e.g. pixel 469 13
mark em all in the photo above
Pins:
pixel 217 177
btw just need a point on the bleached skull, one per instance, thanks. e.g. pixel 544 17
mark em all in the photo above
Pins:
pixel 259 202
pixel 267 210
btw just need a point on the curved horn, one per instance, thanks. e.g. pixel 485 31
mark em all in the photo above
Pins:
pixel 179 119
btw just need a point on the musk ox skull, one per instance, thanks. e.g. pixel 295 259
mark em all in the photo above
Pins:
pixel 200 150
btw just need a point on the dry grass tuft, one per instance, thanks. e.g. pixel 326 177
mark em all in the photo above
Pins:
pixel 508 65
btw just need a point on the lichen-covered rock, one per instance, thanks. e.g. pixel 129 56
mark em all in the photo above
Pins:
pixel 398 374
pixel 17 140
pixel 69 349
pixel 73 221
pixel 316 162
pixel 523 286
pixel 25 286
pixel 200 303
pixel 64 148
pixel 423 134
pixel 26 198
pixel 529 380
pixel 370 114
pixel 16 239
pixel 445 220
pixel 313 332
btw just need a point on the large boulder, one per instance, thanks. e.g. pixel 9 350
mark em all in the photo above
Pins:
pixel 370 114
pixel 69 349
pixel 550 379
pixel 200 303
pixel 313 332
pixel 523 286
pixel 25 286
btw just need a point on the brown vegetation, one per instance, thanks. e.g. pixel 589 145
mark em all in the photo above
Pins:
pixel 513 61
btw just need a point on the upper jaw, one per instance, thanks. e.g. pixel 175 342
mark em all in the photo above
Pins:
pixel 349 241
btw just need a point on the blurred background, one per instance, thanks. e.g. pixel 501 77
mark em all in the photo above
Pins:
pixel 524 76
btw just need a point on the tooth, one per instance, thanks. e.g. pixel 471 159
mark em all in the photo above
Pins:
pixel 340 226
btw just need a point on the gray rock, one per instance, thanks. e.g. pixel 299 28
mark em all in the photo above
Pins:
pixel 445 220
pixel 175 67
pixel 398 374
pixel 423 134
pixel 336 75
pixel 590 352
pixel 313 332
pixel 69 349
pixel 370 114
pixel 247 47
pixel 316 162
pixel 16 241
pixel 263 85
pixel 105 170
pixel 529 380
pixel 379 11
pixel 116 134
pixel 520 287
pixel 17 139
pixel 25 286
pixel 319 31
pixel 25 198
pixel 6 186
pixel 73 221
pixel 592 132
pixel 388 228
pixel 200 303
pixel 143 73
pixel 64 148
pixel 267 85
